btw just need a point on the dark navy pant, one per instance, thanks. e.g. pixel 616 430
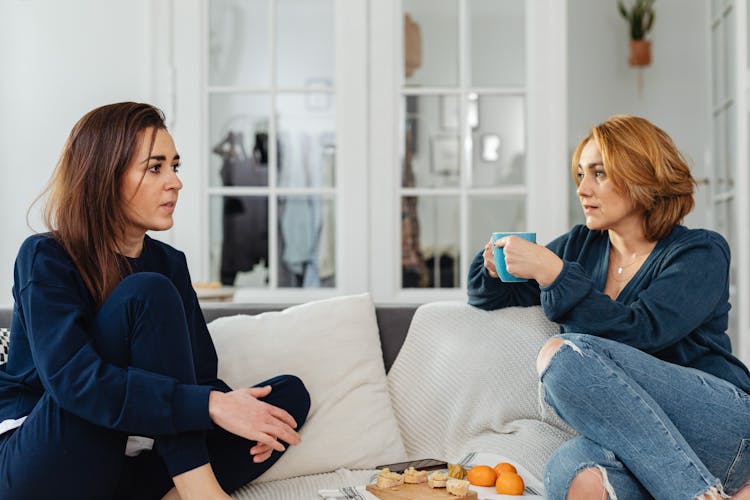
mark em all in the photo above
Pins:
pixel 56 454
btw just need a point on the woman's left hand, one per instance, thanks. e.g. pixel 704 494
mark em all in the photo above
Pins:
pixel 242 412
pixel 260 452
pixel 529 260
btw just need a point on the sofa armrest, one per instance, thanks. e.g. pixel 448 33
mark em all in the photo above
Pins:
pixel 465 380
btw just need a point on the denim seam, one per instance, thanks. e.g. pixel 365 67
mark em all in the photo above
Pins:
pixel 737 458
pixel 541 394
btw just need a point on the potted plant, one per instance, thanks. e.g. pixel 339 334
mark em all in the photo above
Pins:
pixel 640 17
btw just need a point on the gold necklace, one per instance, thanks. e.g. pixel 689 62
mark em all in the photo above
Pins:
pixel 621 267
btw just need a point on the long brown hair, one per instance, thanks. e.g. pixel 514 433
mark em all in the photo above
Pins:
pixel 83 209
pixel 643 162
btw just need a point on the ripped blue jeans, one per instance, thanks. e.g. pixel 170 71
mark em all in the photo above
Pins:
pixel 652 428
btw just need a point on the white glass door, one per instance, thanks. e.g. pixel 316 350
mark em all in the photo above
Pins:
pixel 474 141
pixel 730 206
pixel 271 110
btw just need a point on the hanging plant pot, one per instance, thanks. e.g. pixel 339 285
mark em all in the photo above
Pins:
pixel 640 53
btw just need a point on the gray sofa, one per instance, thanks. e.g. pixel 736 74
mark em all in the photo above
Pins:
pixel 483 362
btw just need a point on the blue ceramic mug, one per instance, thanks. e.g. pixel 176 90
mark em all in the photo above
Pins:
pixel 499 255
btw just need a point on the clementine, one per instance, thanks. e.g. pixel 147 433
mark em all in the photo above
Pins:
pixel 504 466
pixel 482 475
pixel 509 483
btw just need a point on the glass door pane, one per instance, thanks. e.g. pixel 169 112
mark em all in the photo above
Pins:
pixel 430 242
pixel 498 141
pixel 239 52
pixel 238 240
pixel 307 139
pixel 305 43
pixel 494 214
pixel 239 139
pixel 431 42
pixel 307 236
pixel 501 26
pixel 431 141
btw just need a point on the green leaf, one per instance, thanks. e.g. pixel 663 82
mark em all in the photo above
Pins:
pixel 623 12
pixel 640 17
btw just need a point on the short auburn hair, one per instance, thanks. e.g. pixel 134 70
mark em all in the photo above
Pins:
pixel 643 163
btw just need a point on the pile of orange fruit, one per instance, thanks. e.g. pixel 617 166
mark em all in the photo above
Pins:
pixel 504 477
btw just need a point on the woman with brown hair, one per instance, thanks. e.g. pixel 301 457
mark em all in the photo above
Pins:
pixel 643 369
pixel 111 388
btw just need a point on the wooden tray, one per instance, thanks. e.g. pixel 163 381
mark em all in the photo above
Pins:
pixel 416 492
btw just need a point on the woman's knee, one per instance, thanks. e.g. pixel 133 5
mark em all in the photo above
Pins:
pixel 289 392
pixel 546 352
pixel 587 484
pixel 570 474
pixel 143 317
pixel 145 285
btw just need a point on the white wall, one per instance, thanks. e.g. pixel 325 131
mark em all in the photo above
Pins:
pixel 58 60
pixel 675 85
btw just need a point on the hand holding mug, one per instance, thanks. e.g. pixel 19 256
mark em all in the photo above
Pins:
pixel 509 250
pixel 522 259
pixel 489 258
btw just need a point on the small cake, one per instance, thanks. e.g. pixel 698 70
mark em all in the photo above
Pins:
pixel 437 479
pixel 457 471
pixel 413 476
pixel 458 487
pixel 388 479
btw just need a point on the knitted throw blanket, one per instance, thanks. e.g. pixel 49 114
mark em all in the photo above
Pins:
pixel 465 380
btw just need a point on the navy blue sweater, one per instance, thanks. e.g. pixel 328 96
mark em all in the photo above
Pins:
pixel 675 307
pixel 51 349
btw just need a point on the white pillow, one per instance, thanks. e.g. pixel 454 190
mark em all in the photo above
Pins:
pixel 334 347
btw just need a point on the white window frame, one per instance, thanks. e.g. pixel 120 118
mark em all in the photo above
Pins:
pixel 190 132
pixel 546 121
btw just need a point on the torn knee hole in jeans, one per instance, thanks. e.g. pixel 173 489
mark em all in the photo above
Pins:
pixel 607 485
pixel 608 490
pixel 713 493
pixel 572 346
pixel 565 342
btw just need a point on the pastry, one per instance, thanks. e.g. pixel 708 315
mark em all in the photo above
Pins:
pixel 457 471
pixel 437 479
pixel 413 476
pixel 458 487
pixel 388 479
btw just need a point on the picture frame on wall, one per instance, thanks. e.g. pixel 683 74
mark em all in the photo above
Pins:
pixel 444 155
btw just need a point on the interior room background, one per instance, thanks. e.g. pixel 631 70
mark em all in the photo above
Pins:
pixel 340 146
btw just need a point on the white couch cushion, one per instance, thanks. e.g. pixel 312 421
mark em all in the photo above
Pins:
pixel 334 347
pixel 465 380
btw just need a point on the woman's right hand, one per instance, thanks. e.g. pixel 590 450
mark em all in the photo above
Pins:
pixel 242 413
pixel 489 259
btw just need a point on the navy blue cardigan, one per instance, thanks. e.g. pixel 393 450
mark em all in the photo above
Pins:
pixel 51 349
pixel 675 307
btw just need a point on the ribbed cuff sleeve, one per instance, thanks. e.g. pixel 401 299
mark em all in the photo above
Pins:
pixel 570 287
